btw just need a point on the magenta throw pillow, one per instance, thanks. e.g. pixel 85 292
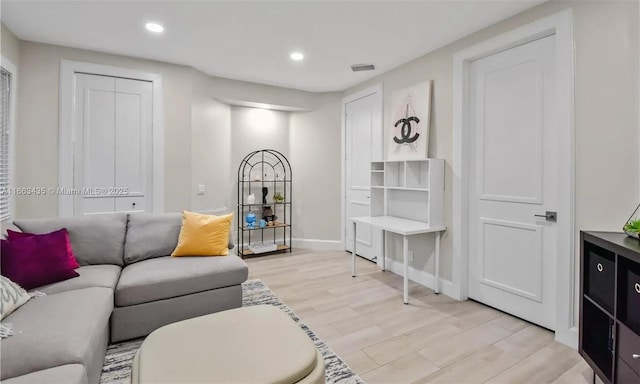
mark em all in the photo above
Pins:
pixel 12 235
pixel 36 260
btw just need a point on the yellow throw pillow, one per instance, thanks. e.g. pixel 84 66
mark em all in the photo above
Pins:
pixel 203 235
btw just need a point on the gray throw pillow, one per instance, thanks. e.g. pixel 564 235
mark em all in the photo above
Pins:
pixel 95 239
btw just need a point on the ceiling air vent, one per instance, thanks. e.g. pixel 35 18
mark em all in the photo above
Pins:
pixel 362 67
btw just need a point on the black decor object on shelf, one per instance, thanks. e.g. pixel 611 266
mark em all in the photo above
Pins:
pixel 265 171
pixel 609 329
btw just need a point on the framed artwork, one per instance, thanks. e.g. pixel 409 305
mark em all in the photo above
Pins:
pixel 408 136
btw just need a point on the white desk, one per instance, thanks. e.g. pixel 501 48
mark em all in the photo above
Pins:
pixel 405 228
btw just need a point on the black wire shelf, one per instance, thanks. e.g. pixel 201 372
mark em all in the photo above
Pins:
pixel 263 173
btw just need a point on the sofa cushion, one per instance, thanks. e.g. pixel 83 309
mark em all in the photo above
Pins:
pixel 150 235
pixel 5 226
pixel 67 374
pixel 167 277
pixel 155 235
pixel 55 330
pixel 104 275
pixel 96 239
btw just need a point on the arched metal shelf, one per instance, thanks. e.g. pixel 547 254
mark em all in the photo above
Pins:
pixel 264 170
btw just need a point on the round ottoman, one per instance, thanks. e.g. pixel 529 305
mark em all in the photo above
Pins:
pixel 259 344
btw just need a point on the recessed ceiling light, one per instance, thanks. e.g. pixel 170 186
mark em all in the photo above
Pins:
pixel 296 56
pixel 154 27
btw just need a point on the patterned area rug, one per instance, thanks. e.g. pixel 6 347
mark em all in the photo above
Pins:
pixel 117 364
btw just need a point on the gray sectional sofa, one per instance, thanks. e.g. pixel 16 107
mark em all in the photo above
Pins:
pixel 128 287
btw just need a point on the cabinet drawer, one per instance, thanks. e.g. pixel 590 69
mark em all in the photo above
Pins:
pixel 626 375
pixel 597 337
pixel 632 293
pixel 600 276
pixel 628 346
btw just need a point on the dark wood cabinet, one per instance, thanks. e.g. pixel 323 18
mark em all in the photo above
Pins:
pixel 609 338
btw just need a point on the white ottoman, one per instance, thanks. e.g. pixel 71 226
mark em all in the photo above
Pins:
pixel 258 344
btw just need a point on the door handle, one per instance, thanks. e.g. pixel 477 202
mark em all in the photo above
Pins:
pixel 549 216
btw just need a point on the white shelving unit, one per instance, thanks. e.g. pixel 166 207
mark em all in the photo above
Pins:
pixel 407 198
pixel 411 189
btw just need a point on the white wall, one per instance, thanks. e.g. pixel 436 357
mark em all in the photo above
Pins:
pixel 315 147
pixel 606 111
pixel 210 147
pixel 37 122
pixel 253 129
pixel 9 45
pixel 310 140
pixel 205 139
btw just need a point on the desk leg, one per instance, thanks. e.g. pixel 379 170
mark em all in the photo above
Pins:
pixel 437 272
pixel 406 269
pixel 384 251
pixel 353 253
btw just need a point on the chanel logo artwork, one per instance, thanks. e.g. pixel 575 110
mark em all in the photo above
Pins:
pixel 408 134
pixel 406 130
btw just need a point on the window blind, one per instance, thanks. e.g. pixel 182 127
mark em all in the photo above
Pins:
pixel 5 82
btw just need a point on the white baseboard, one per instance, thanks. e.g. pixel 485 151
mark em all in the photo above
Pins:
pixel 319 245
pixel 568 337
pixel 314 244
pixel 424 278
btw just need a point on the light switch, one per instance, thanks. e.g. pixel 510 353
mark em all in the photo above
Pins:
pixel 201 189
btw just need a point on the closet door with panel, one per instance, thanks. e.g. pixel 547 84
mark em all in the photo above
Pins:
pixel 112 145
pixel 359 127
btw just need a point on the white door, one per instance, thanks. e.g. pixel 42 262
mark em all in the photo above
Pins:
pixel 112 145
pixel 360 118
pixel 513 177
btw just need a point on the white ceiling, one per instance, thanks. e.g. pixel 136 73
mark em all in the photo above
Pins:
pixel 252 41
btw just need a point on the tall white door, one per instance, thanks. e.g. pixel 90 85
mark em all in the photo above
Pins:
pixel 112 145
pixel 361 120
pixel 513 179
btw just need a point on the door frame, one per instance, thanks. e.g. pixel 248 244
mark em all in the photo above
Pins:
pixel 560 25
pixel 374 89
pixel 66 130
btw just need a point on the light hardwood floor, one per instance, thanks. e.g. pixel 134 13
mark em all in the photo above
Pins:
pixel 434 339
